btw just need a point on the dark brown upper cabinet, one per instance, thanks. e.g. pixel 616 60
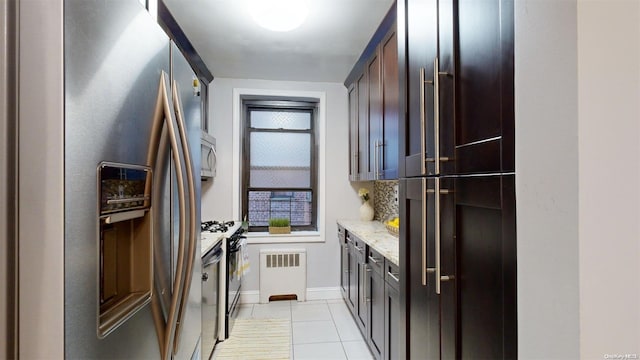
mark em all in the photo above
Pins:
pixel 390 107
pixel 354 165
pixel 457 62
pixel 373 87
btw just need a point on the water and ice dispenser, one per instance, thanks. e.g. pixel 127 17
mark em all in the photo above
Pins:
pixel 125 243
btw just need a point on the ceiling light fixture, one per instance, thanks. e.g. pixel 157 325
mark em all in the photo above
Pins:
pixel 279 15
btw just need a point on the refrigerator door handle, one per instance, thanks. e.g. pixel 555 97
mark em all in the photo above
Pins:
pixel 192 229
pixel 164 115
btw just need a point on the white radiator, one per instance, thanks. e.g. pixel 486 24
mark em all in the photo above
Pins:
pixel 283 272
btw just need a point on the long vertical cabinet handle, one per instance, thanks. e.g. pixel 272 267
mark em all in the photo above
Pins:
pixel 367 297
pixel 437 233
pixel 380 158
pixel 375 160
pixel 436 114
pixel 436 131
pixel 423 126
pixel 192 214
pixel 165 329
pixel 423 122
pixel 424 232
pixel 361 268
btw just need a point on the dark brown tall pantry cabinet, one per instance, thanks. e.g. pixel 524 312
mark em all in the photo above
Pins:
pixel 457 180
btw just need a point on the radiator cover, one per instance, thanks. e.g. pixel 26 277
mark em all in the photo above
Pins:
pixel 283 272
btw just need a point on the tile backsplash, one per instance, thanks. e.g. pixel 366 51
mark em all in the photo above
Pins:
pixel 385 199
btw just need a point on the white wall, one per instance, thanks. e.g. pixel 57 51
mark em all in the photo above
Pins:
pixel 578 170
pixel 609 132
pixel 547 178
pixel 341 200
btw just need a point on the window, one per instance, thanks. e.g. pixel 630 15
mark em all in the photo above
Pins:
pixel 279 173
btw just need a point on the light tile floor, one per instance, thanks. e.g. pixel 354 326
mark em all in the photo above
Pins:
pixel 320 329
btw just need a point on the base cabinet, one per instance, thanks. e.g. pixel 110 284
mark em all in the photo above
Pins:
pixel 391 312
pixel 352 289
pixel 375 301
pixel 344 262
pixel 370 291
pixel 362 317
pixel 476 243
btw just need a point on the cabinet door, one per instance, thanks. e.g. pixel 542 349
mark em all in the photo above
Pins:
pixel 421 307
pixel 375 300
pixel 466 104
pixel 421 49
pixel 388 147
pixel 361 306
pixel 486 267
pixel 392 316
pixel 352 300
pixel 364 170
pixel 374 82
pixel 484 87
pixel 354 168
pixel 344 264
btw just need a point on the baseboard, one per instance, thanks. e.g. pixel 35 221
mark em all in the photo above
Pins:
pixel 323 293
pixel 250 297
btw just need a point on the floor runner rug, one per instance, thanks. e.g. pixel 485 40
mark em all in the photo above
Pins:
pixel 264 339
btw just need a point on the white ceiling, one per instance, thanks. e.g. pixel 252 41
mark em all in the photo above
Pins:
pixel 323 49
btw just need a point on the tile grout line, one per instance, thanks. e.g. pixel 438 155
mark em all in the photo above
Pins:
pixel 293 353
pixel 339 337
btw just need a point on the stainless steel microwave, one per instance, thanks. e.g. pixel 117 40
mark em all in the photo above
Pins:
pixel 209 156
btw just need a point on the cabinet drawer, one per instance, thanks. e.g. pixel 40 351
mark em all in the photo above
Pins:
pixel 359 246
pixel 391 274
pixel 375 261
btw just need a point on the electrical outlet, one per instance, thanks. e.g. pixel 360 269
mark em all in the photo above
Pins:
pixel 395 194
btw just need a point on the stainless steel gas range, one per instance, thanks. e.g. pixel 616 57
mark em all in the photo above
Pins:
pixel 233 245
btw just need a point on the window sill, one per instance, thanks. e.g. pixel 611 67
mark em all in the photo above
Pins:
pixel 294 237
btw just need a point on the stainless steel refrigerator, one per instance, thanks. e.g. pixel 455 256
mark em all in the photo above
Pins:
pixel 132 189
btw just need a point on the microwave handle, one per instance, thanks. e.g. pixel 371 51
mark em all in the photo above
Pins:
pixel 213 164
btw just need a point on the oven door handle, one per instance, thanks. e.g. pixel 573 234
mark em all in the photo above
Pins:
pixel 208 260
pixel 235 250
pixel 215 260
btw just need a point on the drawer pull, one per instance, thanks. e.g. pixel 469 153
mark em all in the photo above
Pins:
pixel 393 276
pixel 374 260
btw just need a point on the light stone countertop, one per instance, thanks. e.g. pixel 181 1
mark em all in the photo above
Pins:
pixel 375 234
pixel 209 239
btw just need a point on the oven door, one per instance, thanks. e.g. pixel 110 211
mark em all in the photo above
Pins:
pixel 210 277
pixel 234 281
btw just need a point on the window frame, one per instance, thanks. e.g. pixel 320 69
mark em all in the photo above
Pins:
pixel 286 104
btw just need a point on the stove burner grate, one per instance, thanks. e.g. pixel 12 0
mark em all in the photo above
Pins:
pixel 216 226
